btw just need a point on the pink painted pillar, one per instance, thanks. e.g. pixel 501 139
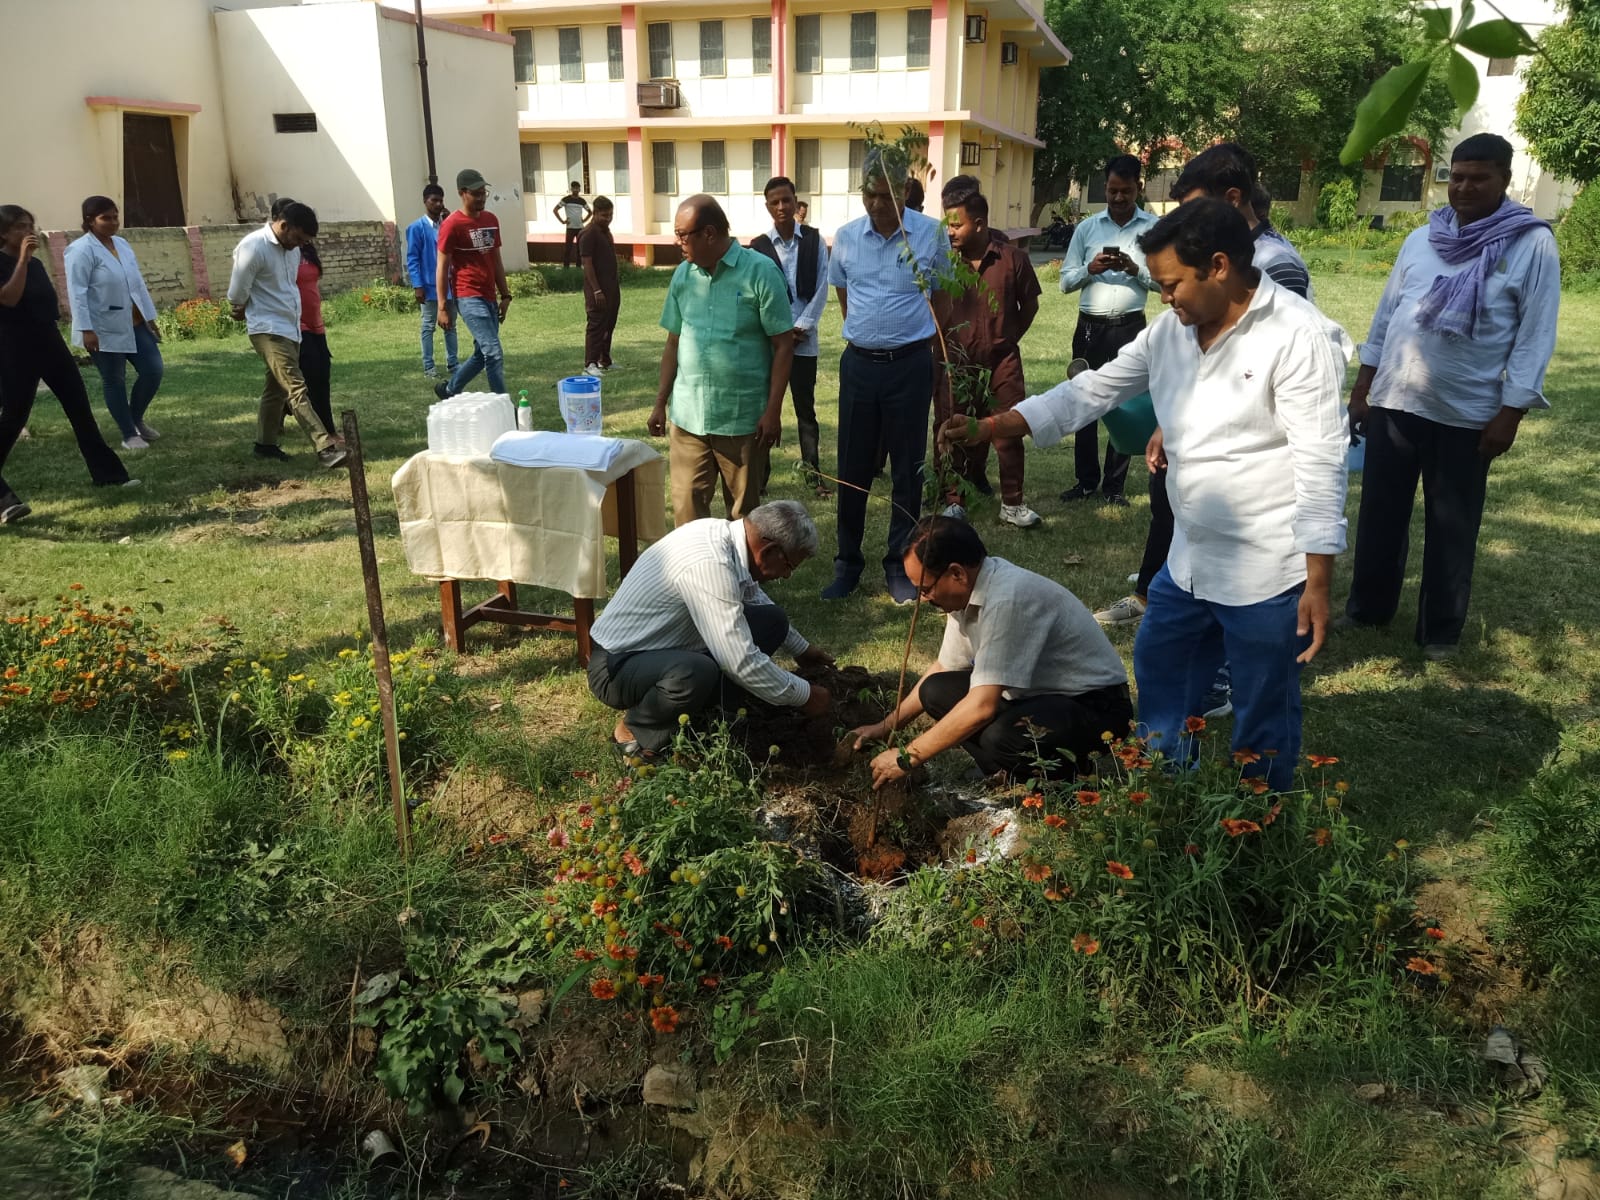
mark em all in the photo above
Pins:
pixel 197 262
pixel 936 154
pixel 780 150
pixel 938 56
pixel 630 61
pixel 780 58
pixel 487 21
pixel 639 195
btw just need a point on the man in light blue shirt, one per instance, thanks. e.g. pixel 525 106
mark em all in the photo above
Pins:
pixel 1455 357
pixel 885 268
pixel 1104 262
pixel 422 255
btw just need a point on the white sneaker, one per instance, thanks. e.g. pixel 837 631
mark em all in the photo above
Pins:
pixel 1134 577
pixel 1019 515
pixel 148 432
pixel 594 370
pixel 132 483
pixel 955 511
pixel 1127 611
pixel 135 443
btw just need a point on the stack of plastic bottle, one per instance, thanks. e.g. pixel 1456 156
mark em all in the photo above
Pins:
pixel 466 425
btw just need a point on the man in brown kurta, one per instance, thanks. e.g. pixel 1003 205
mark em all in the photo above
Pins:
pixel 602 299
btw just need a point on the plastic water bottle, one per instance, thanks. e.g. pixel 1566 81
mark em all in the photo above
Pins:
pixel 524 411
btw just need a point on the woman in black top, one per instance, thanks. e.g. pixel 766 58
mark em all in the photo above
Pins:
pixel 32 349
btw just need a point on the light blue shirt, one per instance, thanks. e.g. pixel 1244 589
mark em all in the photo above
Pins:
pixel 884 306
pixel 1458 381
pixel 263 283
pixel 807 313
pixel 1110 293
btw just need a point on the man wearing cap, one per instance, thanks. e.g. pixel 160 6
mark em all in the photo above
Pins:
pixel 1454 360
pixel 470 267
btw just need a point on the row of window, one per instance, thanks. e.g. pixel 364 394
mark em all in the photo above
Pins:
pixel 713 165
pixel 713 60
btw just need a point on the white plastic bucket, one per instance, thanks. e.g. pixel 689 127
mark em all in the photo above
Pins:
pixel 579 396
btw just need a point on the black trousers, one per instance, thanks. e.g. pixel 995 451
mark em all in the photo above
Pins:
pixel 887 403
pixel 1159 540
pixel 569 252
pixel 1097 343
pixel 316 365
pixel 803 395
pixel 600 324
pixel 1071 726
pixel 28 354
pixel 655 687
pixel 1401 447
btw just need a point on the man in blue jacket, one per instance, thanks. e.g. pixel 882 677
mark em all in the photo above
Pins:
pixel 422 253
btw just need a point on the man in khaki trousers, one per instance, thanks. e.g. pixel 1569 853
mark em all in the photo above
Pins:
pixel 726 365
pixel 264 295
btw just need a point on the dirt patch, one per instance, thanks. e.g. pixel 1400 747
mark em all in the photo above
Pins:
pixel 1487 986
pixel 485 802
pixel 1234 1092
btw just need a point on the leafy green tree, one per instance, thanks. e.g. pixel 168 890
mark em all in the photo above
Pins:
pixel 1559 112
pixel 1142 71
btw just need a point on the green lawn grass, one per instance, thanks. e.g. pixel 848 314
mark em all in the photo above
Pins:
pixel 220 541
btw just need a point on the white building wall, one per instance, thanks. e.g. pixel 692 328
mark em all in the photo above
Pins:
pixel 596 95
pixel 739 91
pixel 891 88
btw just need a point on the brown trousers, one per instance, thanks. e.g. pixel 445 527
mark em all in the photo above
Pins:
pixel 697 461
pixel 1006 390
pixel 285 387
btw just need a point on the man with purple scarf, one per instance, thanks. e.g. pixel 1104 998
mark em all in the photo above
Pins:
pixel 1456 355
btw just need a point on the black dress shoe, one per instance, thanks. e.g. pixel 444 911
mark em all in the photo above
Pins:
pixel 263 450
pixel 1116 500
pixel 1077 492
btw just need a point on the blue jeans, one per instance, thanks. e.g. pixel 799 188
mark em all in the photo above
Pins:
pixel 483 319
pixel 430 319
pixel 113 368
pixel 1181 643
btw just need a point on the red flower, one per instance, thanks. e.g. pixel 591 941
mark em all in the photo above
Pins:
pixel 558 838
pixel 1054 821
pixel 1138 797
pixel 709 982
pixel 1052 894
pixel 584 954
pixel 1193 724
pixel 1033 800
pixel 1192 850
pixel 972 856
pixel 1236 826
pixel 725 941
pixel 1422 967
pixel 1087 797
pixel 603 988
pixel 1258 785
pixel 1245 757
pixel 980 922
pixel 496 838
pixel 1272 814
pixel 1036 873
pixel 1321 760
pixel 648 981
pixel 998 829
pixel 1082 943
pixel 1118 869
pixel 664 1018
pixel 1324 836
pixel 1435 933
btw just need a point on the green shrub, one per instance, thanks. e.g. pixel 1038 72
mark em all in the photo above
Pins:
pixel 1578 234
pixel 531 282
pixel 198 319
pixel 1336 205
pixel 1282 217
pixel 1405 222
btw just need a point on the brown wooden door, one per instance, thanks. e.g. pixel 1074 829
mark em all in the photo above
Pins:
pixel 150 190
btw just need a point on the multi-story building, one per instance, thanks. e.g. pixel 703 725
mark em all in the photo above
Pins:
pixel 653 101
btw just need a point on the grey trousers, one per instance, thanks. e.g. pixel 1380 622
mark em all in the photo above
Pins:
pixel 655 687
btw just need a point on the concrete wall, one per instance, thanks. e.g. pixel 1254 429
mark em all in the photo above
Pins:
pixel 891 87
pixel 597 94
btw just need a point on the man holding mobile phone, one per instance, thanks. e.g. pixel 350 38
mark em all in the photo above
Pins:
pixel 1105 264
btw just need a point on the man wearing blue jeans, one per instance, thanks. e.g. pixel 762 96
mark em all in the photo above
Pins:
pixel 470 268
pixel 422 253
pixel 1246 378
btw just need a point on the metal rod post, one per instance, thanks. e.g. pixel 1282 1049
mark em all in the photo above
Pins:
pixel 427 103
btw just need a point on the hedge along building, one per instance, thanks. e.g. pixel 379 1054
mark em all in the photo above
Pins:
pixel 652 101
pixel 195 119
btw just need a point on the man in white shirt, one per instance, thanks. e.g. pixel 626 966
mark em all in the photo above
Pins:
pixel 802 256
pixel 1024 677
pixel 1245 378
pixel 1455 357
pixel 264 296
pixel 1105 264
pixel 572 210
pixel 691 619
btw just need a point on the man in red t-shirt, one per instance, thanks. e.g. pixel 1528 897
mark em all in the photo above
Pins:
pixel 470 264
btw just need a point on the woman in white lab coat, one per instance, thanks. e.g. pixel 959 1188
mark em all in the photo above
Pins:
pixel 114 319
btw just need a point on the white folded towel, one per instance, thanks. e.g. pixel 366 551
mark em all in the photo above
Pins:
pixel 585 451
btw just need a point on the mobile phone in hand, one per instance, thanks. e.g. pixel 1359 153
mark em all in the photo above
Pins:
pixel 1112 252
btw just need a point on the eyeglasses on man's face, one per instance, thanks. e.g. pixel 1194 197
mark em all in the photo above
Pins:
pixel 682 236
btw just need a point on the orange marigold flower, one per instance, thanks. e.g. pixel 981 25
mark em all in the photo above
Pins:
pixel 980 922
pixel 584 954
pixel 1258 786
pixel 1237 826
pixel 1193 724
pixel 1245 757
pixel 1138 797
pixel 1086 797
pixel 1435 933
pixel 725 941
pixel 1191 849
pixel 1272 813
pixel 12 672
pixel 709 982
pixel 1036 872
pixel 1422 966
pixel 664 1018
pixel 1322 760
pixel 998 829
pixel 603 988
pixel 1033 800
pixel 1118 869
pixel 1055 821
pixel 972 856
pixel 1324 836
pixel 1082 943
pixel 1052 894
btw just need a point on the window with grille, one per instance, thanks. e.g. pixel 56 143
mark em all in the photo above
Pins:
pixel 760 46
pixel 919 36
pixel 660 41
pixel 620 183
pixel 1402 182
pixel 808 166
pixel 664 158
pixel 858 160
pixel 1502 66
pixel 578 165
pixel 522 55
pixel 712 62
pixel 294 122
pixel 864 41
pixel 808 44
pixel 714 168
pixel 570 50
pixel 760 163
pixel 613 51
pixel 530 167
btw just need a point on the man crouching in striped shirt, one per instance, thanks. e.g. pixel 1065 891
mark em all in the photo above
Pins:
pixel 691 618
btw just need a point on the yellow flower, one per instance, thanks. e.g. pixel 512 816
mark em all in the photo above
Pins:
pixel 234 697
pixel 296 678
pixel 357 722
pixel 177 755
pixel 347 653
pixel 683 718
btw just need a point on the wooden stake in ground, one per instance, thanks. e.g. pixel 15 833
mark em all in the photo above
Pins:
pixel 380 633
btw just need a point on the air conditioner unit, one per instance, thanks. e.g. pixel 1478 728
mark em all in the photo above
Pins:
pixel 1008 54
pixel 971 154
pixel 1441 173
pixel 977 28
pixel 659 95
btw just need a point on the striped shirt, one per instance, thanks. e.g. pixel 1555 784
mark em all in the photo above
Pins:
pixel 1276 257
pixel 688 592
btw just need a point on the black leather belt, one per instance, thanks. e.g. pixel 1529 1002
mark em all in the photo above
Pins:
pixel 893 353
pixel 1124 319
